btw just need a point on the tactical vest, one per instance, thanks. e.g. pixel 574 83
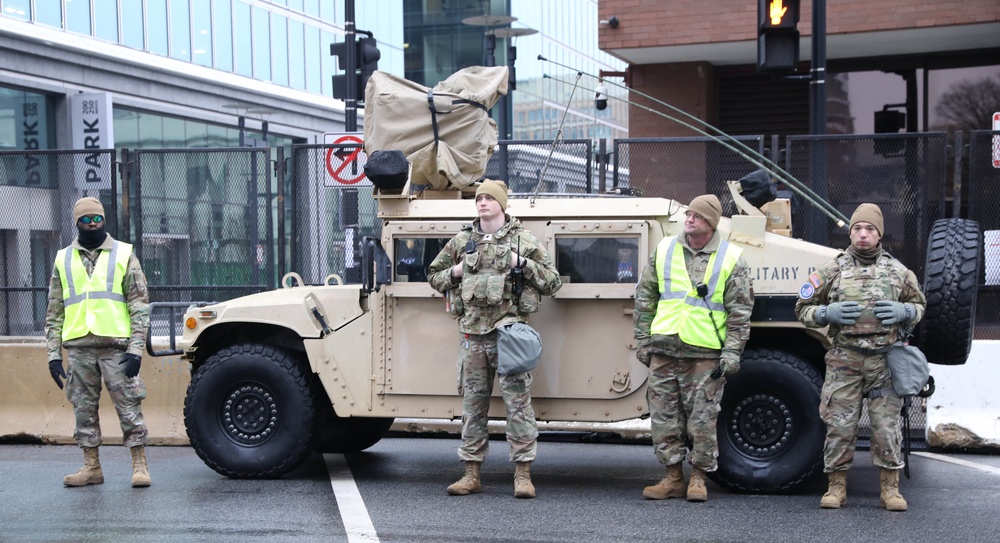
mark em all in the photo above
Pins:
pixel 865 285
pixel 94 303
pixel 680 310
pixel 486 273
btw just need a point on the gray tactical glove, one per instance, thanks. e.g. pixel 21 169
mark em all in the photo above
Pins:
pixel 838 313
pixel 894 312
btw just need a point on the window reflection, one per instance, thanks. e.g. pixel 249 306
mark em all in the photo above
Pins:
pixel 261 44
pixel 180 30
pixel 223 35
pixel 48 12
pixel 202 37
pixel 132 35
pixel 156 26
pixel 279 49
pixel 243 53
pixel 106 20
pixel 598 259
pixel 413 256
pixel 78 16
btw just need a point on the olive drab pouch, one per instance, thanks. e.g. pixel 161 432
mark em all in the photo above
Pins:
pixel 908 368
pixel 529 301
pixel 518 348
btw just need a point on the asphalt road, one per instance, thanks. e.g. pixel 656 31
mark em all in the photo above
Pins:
pixel 395 492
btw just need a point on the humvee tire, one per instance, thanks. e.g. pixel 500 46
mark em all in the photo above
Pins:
pixel 951 279
pixel 250 412
pixel 770 433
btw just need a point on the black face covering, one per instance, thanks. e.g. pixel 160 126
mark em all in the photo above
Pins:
pixel 91 239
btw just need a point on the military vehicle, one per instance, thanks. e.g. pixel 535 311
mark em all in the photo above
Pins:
pixel 276 373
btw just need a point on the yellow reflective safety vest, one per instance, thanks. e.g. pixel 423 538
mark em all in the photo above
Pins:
pixel 680 310
pixel 94 304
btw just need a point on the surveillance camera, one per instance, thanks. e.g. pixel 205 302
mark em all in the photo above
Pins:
pixel 601 98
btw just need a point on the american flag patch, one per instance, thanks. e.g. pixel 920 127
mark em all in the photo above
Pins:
pixel 814 280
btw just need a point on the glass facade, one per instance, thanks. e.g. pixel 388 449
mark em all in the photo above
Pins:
pixel 27 121
pixel 438 43
pixel 285 42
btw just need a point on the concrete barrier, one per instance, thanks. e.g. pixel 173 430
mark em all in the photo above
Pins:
pixel 33 407
pixel 963 412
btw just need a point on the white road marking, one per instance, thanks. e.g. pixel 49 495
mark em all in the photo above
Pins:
pixel 958 461
pixel 357 523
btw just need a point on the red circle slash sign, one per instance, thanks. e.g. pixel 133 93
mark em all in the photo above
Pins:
pixel 346 157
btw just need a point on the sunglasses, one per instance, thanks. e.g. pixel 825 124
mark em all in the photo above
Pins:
pixel 96 219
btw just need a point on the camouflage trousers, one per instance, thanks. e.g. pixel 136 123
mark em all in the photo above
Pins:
pixel 86 368
pixel 683 409
pixel 849 376
pixel 477 367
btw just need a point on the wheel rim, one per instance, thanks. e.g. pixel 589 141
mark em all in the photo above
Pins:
pixel 761 426
pixel 250 414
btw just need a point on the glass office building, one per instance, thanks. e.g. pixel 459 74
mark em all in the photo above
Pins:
pixel 182 72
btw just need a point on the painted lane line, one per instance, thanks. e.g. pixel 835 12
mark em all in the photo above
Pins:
pixel 960 462
pixel 357 522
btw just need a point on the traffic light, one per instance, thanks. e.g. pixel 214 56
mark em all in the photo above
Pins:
pixel 365 62
pixel 777 37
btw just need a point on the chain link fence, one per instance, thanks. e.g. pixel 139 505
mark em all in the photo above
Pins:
pixel 567 166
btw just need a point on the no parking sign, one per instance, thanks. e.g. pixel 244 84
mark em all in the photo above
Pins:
pixel 345 166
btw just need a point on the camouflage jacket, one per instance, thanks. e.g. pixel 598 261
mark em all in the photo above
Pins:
pixel 482 298
pixel 738 300
pixel 137 299
pixel 886 279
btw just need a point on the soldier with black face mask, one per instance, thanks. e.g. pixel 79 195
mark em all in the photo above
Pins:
pixel 99 311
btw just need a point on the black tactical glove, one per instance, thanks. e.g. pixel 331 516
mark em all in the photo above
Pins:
pixel 133 362
pixel 838 313
pixel 56 369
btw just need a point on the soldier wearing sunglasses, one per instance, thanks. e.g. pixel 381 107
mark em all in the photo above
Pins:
pixel 99 312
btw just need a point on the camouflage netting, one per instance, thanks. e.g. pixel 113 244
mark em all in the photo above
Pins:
pixel 445 132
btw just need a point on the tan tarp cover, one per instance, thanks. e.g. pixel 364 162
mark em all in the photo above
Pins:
pixel 398 117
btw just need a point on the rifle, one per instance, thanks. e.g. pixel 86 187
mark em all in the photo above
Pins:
pixel 517 276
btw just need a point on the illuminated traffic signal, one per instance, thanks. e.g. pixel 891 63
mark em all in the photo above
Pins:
pixel 357 70
pixel 777 36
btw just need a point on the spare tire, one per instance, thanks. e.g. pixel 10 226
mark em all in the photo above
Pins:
pixel 951 281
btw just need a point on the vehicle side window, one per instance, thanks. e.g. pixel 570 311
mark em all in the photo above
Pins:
pixel 412 256
pixel 601 259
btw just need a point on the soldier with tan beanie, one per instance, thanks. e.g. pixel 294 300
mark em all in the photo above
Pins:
pixel 869 300
pixel 477 264
pixel 692 320
pixel 99 312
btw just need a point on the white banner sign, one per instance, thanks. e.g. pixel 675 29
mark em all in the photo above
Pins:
pixel 996 140
pixel 92 128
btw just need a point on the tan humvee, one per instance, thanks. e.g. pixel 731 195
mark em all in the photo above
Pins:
pixel 272 373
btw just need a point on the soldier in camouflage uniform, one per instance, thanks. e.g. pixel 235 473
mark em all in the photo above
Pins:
pixel 474 270
pixel 99 311
pixel 867 298
pixel 692 320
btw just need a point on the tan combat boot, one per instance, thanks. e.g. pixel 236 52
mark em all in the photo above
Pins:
pixel 671 486
pixel 696 488
pixel 836 494
pixel 469 483
pixel 891 498
pixel 140 472
pixel 90 473
pixel 522 481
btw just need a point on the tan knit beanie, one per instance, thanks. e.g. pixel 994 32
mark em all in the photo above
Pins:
pixel 87 206
pixel 869 213
pixel 496 189
pixel 708 206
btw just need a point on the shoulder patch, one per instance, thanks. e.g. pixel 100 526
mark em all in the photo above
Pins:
pixel 814 280
pixel 806 291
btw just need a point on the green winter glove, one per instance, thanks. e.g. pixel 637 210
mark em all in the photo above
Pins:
pixel 644 354
pixel 838 313
pixel 894 312
pixel 729 364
